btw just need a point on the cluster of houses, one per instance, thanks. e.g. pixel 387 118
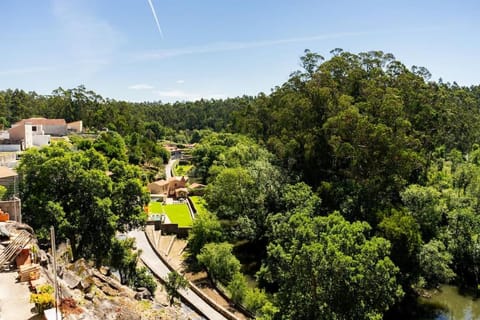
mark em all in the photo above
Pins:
pixel 37 132
pixel 175 187
pixel 24 134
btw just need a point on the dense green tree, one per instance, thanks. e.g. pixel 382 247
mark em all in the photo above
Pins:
pixel 435 263
pixel 403 232
pixel 237 288
pixel 377 141
pixel 464 245
pixel 129 196
pixel 219 261
pixel 299 197
pixel 174 282
pixel 72 191
pixel 256 300
pixel 154 130
pixel 112 145
pixel 425 205
pixel 244 183
pixel 123 259
pixel 230 193
pixel 206 228
pixel 326 268
pixel 142 150
pixel 452 186
pixel 144 279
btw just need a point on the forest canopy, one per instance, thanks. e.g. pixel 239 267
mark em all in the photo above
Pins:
pixel 357 167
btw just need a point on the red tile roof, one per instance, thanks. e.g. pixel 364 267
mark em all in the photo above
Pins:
pixel 6 172
pixel 44 121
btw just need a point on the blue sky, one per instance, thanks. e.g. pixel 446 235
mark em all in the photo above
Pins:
pixel 222 48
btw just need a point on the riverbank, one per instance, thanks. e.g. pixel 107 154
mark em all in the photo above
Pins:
pixel 444 303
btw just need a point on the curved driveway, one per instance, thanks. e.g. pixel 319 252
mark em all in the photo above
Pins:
pixel 168 167
pixel 154 263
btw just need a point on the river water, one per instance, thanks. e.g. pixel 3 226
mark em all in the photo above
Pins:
pixel 449 304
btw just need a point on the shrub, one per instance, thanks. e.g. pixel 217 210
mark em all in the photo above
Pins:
pixel 237 288
pixel 173 282
pixel 255 299
pixel 143 278
pixel 219 261
pixel 44 299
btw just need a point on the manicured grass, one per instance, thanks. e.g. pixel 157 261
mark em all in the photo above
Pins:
pixel 155 207
pixel 177 213
pixel 199 204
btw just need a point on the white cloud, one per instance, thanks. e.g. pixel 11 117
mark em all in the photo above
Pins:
pixel 140 86
pixel 180 81
pixel 173 95
pixel 21 71
pixel 234 46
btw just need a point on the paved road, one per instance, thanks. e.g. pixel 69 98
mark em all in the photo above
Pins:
pixel 15 298
pixel 168 167
pixel 157 266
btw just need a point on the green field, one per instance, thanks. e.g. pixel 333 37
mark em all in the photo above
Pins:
pixel 199 204
pixel 177 213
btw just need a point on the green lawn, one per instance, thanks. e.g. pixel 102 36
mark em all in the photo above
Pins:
pixel 177 213
pixel 199 204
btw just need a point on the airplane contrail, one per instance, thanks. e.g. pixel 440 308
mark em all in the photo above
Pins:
pixel 155 17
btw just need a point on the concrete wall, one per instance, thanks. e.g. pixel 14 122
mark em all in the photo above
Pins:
pixel 37 130
pixel 170 228
pixel 17 133
pixel 76 126
pixel 59 130
pixel 22 134
pixel 41 140
pixel 10 147
pixel 28 140
pixel 193 287
pixel 157 189
pixel 8 157
pixel 27 137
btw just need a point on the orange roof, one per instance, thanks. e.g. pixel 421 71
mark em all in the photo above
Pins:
pixel 44 121
pixel 6 172
pixel 160 182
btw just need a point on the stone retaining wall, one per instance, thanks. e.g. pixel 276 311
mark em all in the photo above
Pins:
pixel 192 286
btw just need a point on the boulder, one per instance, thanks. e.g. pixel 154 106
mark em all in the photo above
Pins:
pixel 143 295
pixel 71 279
pixel 89 296
pixel 42 256
pixel 86 283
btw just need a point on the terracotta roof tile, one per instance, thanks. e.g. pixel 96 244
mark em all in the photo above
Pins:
pixel 6 172
pixel 44 121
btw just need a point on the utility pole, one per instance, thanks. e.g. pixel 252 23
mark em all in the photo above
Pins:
pixel 55 284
